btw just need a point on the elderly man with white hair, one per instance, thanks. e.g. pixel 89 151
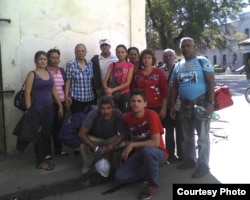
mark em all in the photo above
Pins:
pixel 172 126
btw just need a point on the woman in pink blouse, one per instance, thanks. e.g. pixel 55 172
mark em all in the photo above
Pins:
pixel 122 70
pixel 58 74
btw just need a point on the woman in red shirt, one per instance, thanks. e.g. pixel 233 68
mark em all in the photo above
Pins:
pixel 153 81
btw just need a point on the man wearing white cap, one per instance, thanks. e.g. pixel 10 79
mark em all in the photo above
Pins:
pixel 100 65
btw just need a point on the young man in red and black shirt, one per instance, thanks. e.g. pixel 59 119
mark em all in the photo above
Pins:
pixel 146 152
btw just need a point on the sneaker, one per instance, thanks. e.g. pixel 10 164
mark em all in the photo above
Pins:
pixel 180 159
pixel 189 163
pixel 85 170
pixel 173 159
pixel 202 170
pixel 148 192
pixel 48 157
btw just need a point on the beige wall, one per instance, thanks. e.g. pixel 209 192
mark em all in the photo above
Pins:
pixel 240 25
pixel 44 24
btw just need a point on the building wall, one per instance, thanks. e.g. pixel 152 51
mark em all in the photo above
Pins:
pixel 44 24
pixel 241 25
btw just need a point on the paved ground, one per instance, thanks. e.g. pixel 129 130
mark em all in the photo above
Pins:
pixel 229 163
pixel 20 180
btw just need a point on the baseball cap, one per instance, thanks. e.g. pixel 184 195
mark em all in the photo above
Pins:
pixel 104 41
pixel 103 166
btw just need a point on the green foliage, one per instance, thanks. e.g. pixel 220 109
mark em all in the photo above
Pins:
pixel 170 20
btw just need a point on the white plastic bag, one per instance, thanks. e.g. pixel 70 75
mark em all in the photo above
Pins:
pixel 103 167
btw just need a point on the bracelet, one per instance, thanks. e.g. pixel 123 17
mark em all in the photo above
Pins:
pixel 97 148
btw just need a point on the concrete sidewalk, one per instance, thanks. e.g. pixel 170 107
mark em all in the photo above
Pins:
pixel 18 171
pixel 20 180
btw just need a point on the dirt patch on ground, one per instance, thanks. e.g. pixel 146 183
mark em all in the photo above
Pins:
pixel 90 180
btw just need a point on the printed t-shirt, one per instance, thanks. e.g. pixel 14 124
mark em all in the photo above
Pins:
pixel 190 77
pixel 142 128
pixel 121 73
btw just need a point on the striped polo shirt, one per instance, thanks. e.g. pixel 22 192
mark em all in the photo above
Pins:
pixel 59 82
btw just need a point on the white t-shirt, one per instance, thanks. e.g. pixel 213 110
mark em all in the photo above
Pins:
pixel 105 62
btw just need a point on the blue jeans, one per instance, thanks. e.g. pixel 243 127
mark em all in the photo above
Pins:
pixel 190 123
pixel 143 164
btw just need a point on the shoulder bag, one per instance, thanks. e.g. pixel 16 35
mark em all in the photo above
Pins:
pixel 19 99
pixel 112 83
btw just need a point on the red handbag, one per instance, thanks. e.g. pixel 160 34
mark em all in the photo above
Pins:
pixel 222 97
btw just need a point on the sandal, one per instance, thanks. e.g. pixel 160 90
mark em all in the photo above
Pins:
pixel 46 166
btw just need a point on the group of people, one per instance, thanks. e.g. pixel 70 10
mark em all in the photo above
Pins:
pixel 152 101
